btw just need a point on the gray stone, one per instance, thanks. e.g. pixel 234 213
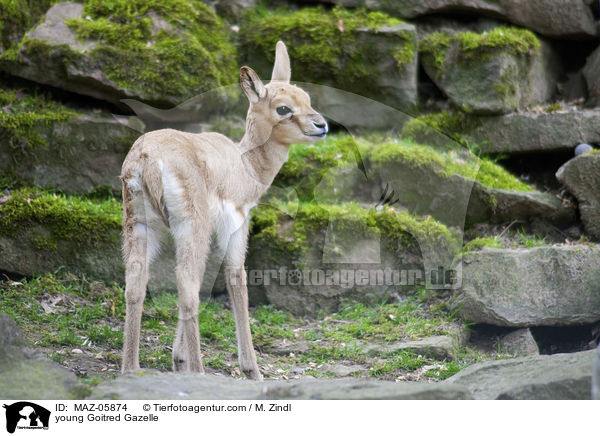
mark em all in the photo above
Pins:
pixel 596 376
pixel 53 54
pixel 80 155
pixel 542 286
pixel 581 176
pixel 342 370
pixel 548 377
pixel 555 18
pixel 592 77
pixel 204 387
pixel 436 347
pixel 519 343
pixel 526 132
pixel 24 374
pixel 496 84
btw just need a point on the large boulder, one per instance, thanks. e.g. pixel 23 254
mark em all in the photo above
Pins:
pixel 449 183
pixel 581 176
pixel 370 54
pixel 26 374
pixel 492 72
pixel 161 54
pixel 204 387
pixel 42 232
pixel 527 132
pixel 554 377
pixel 48 145
pixel 543 286
pixel 308 257
pixel 592 78
pixel 555 18
pixel 517 132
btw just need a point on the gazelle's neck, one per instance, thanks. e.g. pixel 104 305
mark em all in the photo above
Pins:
pixel 263 161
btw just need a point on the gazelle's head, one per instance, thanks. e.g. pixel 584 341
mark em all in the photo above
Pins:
pixel 279 111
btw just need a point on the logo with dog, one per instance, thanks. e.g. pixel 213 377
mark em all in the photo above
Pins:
pixel 26 416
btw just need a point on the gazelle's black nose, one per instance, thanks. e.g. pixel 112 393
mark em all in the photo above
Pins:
pixel 320 125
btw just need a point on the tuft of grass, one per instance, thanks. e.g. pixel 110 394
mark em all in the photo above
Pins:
pixel 478 243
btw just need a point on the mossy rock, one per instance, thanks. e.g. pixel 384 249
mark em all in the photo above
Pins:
pixel 308 257
pixel 493 72
pixel 568 19
pixel 43 232
pixel 17 17
pixel 46 144
pixel 553 128
pixel 446 181
pixel 367 53
pixel 161 52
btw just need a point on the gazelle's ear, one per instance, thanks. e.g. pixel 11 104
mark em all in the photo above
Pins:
pixel 252 85
pixel 281 70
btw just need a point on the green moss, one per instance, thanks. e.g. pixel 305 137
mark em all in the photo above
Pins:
pixel 473 46
pixel 17 17
pixel 446 163
pixel 554 107
pixel 454 124
pixel 188 52
pixel 270 225
pixel 23 112
pixel 308 163
pixel 478 243
pixel 323 43
pixel 84 221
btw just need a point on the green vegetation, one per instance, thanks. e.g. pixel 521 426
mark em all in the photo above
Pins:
pixel 18 16
pixel 269 225
pixel 308 163
pixel 80 322
pixel 65 218
pixel 478 243
pixel 323 44
pixel 478 46
pixel 170 47
pixel 22 114
pixel 446 163
pixel 454 124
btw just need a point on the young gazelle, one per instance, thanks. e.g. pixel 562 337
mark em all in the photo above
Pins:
pixel 197 185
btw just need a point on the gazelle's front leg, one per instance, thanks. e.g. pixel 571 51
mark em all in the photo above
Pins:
pixel 238 294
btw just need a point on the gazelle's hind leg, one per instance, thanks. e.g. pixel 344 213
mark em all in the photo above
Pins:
pixel 140 245
pixel 192 241
pixel 235 276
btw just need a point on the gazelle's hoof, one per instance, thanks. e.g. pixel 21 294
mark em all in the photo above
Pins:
pixel 253 374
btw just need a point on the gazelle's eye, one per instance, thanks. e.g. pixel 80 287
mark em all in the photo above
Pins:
pixel 283 110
